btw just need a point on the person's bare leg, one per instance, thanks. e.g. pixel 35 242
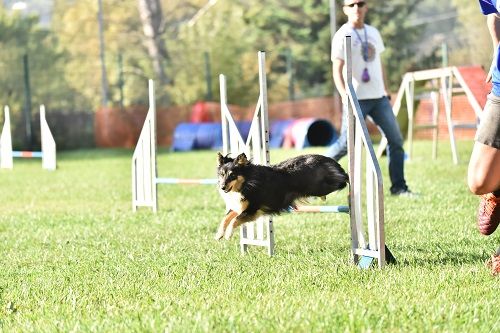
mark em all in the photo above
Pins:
pixel 484 169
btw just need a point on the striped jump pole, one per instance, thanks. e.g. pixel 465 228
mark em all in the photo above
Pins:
pixel 47 154
pixel 145 178
pixel 206 181
pixel 320 209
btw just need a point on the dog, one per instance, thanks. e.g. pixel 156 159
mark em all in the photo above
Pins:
pixel 251 190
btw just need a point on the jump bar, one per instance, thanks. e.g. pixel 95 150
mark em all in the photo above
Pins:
pixel 321 209
pixel 27 154
pixel 207 181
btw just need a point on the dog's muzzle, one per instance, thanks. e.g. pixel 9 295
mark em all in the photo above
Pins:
pixel 225 188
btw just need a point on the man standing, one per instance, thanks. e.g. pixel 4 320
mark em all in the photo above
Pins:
pixel 368 81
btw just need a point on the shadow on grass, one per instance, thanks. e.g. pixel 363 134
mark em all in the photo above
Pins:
pixel 452 255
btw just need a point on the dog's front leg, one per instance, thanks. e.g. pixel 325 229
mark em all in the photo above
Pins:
pixel 230 228
pixel 239 220
pixel 231 214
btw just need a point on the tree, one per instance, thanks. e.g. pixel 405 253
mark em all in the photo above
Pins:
pixel 153 26
pixel 474 46
pixel 19 36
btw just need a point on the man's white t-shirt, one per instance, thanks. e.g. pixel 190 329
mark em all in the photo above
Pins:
pixel 374 88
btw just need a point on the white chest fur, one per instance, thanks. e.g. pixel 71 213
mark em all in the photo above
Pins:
pixel 234 201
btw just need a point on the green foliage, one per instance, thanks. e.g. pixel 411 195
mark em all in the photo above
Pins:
pixel 76 27
pixel 75 257
pixel 66 69
pixel 476 47
pixel 399 38
pixel 20 36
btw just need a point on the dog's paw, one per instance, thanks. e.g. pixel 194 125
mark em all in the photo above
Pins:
pixel 219 235
pixel 228 234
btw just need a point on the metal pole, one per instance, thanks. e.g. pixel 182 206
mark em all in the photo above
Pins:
pixel 333 19
pixel 104 79
pixel 333 28
pixel 208 77
pixel 120 78
pixel 289 70
pixel 27 105
pixel 444 55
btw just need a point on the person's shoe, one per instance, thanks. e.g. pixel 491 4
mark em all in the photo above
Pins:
pixel 494 263
pixel 488 215
pixel 404 192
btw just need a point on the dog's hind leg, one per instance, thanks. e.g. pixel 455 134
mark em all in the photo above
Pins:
pixel 224 224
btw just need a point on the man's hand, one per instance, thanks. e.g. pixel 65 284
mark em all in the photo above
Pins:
pixel 345 99
pixel 490 72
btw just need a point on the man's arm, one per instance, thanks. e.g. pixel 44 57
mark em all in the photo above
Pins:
pixel 338 77
pixel 493 23
pixel 384 77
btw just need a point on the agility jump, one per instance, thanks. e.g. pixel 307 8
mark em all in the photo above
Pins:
pixel 261 233
pixel 48 153
pixel 145 178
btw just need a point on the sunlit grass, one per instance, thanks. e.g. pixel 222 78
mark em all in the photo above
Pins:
pixel 75 258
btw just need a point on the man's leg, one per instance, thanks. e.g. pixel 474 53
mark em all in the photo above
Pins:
pixel 338 149
pixel 484 166
pixel 484 169
pixel 383 116
pixel 483 175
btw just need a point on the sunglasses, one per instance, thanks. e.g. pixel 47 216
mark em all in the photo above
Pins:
pixel 360 4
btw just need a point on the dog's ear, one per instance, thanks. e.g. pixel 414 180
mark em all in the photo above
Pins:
pixel 241 160
pixel 220 158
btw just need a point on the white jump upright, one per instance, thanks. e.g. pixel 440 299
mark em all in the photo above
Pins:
pixel 145 178
pixel 358 142
pixel 48 143
pixel 6 158
pixel 445 79
pixel 48 153
pixel 256 147
pixel 144 160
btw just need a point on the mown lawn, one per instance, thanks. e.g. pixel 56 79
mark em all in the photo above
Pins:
pixel 73 256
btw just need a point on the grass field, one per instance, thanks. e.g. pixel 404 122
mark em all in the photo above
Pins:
pixel 73 256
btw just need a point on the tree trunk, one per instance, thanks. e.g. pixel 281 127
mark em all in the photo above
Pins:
pixel 152 24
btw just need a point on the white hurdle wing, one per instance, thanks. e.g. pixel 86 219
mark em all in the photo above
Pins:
pixel 359 139
pixel 144 160
pixel 6 159
pixel 48 143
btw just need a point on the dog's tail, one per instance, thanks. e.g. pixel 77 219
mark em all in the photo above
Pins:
pixel 315 175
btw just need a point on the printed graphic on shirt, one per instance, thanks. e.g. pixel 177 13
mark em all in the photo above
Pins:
pixel 370 52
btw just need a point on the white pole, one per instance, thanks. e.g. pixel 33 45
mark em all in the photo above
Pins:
pixel 48 142
pixel 6 159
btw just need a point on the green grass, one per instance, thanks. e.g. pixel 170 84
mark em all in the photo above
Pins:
pixel 73 256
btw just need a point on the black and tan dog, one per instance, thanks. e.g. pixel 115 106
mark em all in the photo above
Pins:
pixel 252 190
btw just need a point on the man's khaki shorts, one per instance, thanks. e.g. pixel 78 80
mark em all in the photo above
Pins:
pixel 488 132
